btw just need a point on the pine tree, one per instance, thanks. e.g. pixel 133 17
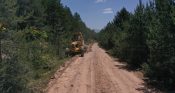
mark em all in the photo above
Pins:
pixel 121 22
pixel 137 49
pixel 160 42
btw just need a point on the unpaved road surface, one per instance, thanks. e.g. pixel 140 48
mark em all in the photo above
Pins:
pixel 96 72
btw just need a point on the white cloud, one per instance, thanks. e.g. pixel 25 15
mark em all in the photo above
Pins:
pixel 100 1
pixel 108 11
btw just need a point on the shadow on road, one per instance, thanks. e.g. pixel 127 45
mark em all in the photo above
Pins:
pixel 147 88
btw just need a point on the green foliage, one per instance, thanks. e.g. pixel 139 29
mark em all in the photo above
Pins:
pixel 161 45
pixel 11 77
pixel 34 34
pixel 145 39
pixel 38 31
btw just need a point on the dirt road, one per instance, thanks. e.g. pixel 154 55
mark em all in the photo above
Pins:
pixel 96 72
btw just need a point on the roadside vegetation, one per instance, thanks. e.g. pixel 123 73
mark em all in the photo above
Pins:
pixel 33 42
pixel 145 39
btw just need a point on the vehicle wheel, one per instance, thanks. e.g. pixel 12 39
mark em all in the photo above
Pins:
pixel 82 52
pixel 67 52
pixel 71 54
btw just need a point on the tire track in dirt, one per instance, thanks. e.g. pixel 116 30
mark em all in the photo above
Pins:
pixel 103 81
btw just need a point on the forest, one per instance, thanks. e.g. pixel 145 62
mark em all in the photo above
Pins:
pixel 34 35
pixel 145 40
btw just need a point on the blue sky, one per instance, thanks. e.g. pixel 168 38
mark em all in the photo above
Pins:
pixel 97 13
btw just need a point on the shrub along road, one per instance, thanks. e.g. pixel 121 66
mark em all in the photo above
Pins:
pixel 96 72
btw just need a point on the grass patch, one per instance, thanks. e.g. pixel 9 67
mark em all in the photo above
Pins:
pixel 40 78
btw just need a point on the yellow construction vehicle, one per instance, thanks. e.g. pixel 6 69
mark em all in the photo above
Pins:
pixel 77 45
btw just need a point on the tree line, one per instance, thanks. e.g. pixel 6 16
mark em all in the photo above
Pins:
pixel 34 39
pixel 145 39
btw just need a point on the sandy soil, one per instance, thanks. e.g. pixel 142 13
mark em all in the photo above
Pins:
pixel 96 72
